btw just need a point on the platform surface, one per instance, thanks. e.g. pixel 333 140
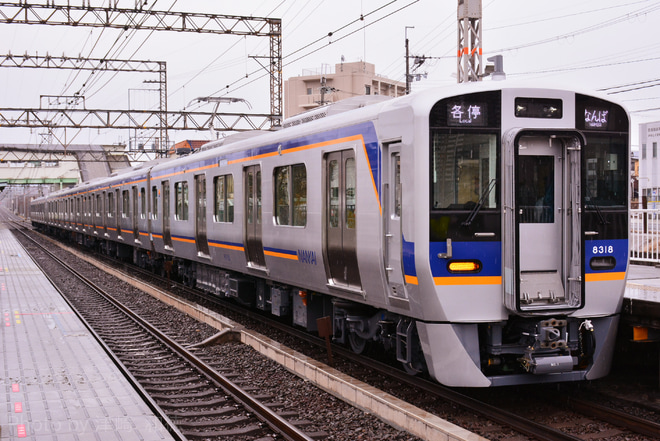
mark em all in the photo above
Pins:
pixel 643 283
pixel 57 383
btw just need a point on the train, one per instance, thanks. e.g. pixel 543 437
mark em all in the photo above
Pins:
pixel 476 233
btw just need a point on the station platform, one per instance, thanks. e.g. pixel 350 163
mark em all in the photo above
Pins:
pixel 643 283
pixel 57 382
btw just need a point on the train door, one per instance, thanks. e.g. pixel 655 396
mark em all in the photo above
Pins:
pixel 200 215
pixel 253 241
pixel 118 211
pixel 167 236
pixel 546 179
pixel 340 218
pixel 134 214
pixel 392 211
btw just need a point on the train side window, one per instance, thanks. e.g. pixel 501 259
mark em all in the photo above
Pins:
pixel 143 203
pixel 99 205
pixel 181 204
pixel 223 204
pixel 154 202
pixel 125 203
pixel 291 195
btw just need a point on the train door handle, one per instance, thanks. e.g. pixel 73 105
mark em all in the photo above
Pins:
pixel 484 234
pixel 448 254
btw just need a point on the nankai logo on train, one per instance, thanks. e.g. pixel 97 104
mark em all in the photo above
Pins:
pixel 307 256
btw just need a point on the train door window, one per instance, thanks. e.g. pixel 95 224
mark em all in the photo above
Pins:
pixel 134 212
pixel 351 185
pixel 167 238
pixel 118 203
pixel 154 202
pixel 125 203
pixel 143 203
pixel 254 197
pixel 333 190
pixel 223 204
pixel 291 195
pixel 398 193
pixel 181 205
pixel 111 204
pixel 536 191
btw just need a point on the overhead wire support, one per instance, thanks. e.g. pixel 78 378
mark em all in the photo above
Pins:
pixel 129 119
pixel 24 12
pixel 77 63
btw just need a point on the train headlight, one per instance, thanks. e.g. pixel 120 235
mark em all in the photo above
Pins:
pixel 464 266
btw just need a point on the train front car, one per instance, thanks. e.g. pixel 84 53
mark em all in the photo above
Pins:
pixel 527 225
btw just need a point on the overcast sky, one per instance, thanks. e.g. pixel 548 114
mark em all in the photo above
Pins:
pixel 605 44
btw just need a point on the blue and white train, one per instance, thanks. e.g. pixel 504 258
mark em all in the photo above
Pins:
pixel 477 232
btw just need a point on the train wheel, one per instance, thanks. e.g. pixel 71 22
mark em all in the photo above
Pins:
pixel 358 344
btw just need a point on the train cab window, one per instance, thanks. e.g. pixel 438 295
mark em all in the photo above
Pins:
pixel 111 204
pixel 606 170
pixel 154 202
pixel 464 169
pixel 143 203
pixel 223 203
pixel 291 195
pixel 125 203
pixel 181 203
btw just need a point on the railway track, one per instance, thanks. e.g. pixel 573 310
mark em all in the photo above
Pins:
pixel 188 394
pixel 625 424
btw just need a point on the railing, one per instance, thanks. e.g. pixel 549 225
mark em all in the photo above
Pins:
pixel 644 235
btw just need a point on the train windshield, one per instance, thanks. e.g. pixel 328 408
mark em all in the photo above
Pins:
pixel 464 167
pixel 606 173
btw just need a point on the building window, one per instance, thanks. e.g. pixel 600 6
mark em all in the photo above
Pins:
pixel 291 195
pixel 181 204
pixel 655 149
pixel 367 90
pixel 309 91
pixel 643 151
pixel 224 198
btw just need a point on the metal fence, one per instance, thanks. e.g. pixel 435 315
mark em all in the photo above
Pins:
pixel 644 236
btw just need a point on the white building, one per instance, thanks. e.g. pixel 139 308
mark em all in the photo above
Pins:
pixel 649 163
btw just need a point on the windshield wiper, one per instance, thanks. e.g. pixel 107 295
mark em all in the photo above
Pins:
pixel 480 204
pixel 601 218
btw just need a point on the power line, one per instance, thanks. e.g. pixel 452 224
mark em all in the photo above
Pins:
pixel 320 48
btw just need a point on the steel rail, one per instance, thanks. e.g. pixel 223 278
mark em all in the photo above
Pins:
pixel 263 412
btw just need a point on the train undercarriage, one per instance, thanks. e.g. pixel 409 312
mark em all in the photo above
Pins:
pixel 520 345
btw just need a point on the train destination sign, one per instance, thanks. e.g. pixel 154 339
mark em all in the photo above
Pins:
pixel 595 118
pixel 467 114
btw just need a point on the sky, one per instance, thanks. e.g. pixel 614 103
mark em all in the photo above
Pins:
pixel 606 45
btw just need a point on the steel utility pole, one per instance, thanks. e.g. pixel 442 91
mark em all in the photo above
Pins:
pixel 469 41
